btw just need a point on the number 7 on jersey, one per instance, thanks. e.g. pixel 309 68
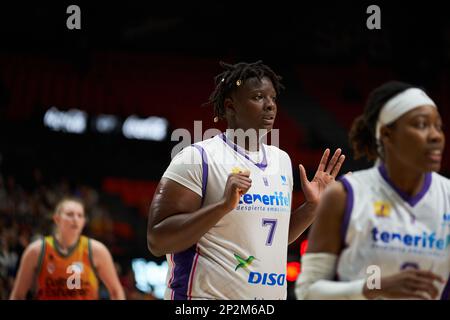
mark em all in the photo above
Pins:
pixel 272 223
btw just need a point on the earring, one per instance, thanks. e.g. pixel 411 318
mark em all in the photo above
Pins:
pixel 216 119
pixel 239 82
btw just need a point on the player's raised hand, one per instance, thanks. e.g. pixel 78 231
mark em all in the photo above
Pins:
pixel 325 174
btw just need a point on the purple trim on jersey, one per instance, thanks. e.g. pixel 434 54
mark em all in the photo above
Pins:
pixel 205 170
pixel 446 291
pixel 348 209
pixel 412 200
pixel 182 272
pixel 262 165
pixel 183 261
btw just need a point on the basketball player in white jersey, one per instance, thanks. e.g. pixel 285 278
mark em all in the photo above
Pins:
pixel 222 211
pixel 384 232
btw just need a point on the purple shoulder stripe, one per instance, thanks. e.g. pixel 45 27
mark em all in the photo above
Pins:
pixel 348 209
pixel 205 170
pixel 184 260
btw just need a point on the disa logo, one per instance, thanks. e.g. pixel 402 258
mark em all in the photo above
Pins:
pixel 265 279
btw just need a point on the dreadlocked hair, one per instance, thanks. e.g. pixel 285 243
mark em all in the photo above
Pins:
pixel 235 75
pixel 362 133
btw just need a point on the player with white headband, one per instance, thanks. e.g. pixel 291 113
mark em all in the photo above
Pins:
pixel 384 232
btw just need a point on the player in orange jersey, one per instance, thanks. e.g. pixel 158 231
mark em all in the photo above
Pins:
pixel 67 265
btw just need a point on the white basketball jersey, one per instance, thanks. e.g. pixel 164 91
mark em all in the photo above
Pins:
pixel 244 255
pixel 385 228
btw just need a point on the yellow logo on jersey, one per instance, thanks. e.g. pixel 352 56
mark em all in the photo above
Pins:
pixel 236 170
pixel 382 208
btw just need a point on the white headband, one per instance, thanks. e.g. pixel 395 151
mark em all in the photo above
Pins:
pixel 399 105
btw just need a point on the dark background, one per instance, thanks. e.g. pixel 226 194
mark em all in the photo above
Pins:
pixel 159 59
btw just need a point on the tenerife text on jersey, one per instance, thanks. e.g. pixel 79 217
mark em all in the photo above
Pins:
pixel 274 202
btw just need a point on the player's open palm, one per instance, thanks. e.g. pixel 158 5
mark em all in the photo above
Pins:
pixel 325 174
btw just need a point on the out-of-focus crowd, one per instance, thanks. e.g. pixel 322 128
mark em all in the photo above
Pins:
pixel 26 213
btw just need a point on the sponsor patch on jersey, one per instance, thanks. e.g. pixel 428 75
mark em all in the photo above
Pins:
pixel 382 208
pixel 267 279
pixel 260 278
pixel 79 266
pixel 243 263
pixel 236 170
pixel 421 241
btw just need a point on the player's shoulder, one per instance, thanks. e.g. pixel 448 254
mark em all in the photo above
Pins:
pixel 189 155
pixel 34 249
pixel 361 175
pixel 335 193
pixel 208 144
pixel 274 150
pixel 99 253
pixel 37 244
pixel 440 179
pixel 97 245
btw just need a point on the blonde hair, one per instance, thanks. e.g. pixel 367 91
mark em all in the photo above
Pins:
pixel 61 202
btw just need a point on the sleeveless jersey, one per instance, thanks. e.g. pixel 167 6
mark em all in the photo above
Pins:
pixel 66 277
pixel 385 228
pixel 244 255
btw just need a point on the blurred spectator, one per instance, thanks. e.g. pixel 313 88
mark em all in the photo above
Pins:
pixel 58 253
pixel 25 215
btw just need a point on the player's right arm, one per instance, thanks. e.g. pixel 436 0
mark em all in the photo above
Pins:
pixel 176 219
pixel 27 270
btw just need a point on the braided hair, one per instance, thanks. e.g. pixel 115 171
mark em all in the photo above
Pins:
pixel 234 76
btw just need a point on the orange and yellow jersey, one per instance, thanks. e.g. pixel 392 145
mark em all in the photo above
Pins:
pixel 70 276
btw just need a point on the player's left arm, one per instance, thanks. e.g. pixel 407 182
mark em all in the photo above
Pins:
pixel 104 265
pixel 303 216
